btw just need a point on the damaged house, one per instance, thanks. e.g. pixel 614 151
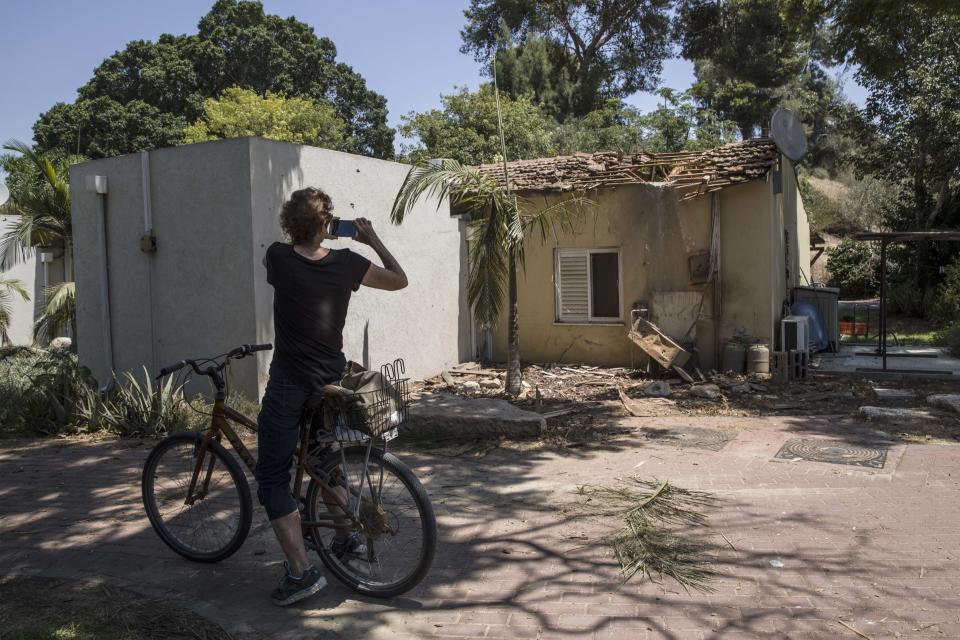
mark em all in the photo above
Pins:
pixel 706 245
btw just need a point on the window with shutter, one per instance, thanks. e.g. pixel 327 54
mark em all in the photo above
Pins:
pixel 588 285
pixel 573 284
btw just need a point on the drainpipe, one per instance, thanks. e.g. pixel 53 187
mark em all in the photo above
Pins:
pixel 98 185
pixel 148 244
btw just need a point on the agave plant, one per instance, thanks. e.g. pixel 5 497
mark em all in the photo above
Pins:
pixel 9 286
pixel 498 224
pixel 136 408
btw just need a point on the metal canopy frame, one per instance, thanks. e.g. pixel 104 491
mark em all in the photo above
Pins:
pixel 885 238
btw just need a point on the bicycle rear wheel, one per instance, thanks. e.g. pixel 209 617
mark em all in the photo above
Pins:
pixel 215 525
pixel 401 529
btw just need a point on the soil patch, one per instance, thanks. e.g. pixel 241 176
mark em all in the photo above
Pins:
pixel 49 608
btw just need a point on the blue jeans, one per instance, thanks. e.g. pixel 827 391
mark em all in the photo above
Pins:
pixel 278 434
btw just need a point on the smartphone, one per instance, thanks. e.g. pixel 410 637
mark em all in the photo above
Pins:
pixel 342 228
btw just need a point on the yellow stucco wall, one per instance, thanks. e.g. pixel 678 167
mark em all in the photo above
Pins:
pixel 656 234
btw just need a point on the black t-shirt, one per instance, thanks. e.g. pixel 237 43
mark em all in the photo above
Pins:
pixel 310 299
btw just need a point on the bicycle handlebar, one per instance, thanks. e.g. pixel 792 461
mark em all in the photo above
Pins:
pixel 240 352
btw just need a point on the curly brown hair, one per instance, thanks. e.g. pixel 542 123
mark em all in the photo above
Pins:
pixel 305 214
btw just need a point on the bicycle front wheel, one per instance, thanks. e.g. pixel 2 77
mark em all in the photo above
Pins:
pixel 400 529
pixel 212 523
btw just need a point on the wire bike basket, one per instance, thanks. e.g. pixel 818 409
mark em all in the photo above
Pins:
pixel 376 405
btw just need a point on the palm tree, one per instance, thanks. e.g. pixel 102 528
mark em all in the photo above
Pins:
pixel 59 312
pixel 8 286
pixel 43 211
pixel 497 227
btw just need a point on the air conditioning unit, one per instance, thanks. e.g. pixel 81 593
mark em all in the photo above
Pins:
pixel 794 334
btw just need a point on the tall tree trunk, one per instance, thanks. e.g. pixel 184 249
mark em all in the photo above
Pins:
pixel 514 373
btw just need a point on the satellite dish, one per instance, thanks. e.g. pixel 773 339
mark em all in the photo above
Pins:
pixel 788 134
pixel 4 193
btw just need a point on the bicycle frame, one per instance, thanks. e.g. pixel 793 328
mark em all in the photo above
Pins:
pixel 220 420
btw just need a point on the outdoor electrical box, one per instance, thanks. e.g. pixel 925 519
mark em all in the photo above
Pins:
pixel 97 184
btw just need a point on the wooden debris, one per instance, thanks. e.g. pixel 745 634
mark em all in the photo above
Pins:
pixel 665 352
pixel 592 373
pixel 854 629
pixel 447 378
pixel 628 404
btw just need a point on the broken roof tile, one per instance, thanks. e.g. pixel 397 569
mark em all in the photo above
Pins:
pixel 690 172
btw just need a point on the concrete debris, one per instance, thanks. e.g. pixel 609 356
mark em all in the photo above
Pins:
pixel 471 386
pixel 61 344
pixel 447 378
pixel 746 387
pixel 945 401
pixel 490 384
pixel 892 394
pixel 892 413
pixel 449 417
pixel 709 391
pixel 659 389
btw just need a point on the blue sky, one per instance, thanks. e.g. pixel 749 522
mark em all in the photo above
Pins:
pixel 407 51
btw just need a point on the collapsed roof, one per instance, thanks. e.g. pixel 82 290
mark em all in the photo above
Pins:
pixel 693 173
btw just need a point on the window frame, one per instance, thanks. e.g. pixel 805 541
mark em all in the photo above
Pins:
pixel 590 318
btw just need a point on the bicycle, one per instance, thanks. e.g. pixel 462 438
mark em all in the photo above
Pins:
pixel 197 497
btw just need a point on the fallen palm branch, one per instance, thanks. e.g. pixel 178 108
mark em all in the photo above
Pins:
pixel 644 543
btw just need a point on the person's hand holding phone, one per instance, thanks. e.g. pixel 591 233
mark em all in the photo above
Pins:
pixel 365 232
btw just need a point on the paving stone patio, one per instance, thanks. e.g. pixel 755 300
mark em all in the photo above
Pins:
pixel 804 543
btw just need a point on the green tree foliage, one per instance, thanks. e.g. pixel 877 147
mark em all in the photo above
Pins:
pixel 39 199
pixel 947 306
pixel 909 131
pixel 145 95
pixel 744 52
pixel 571 55
pixel 854 268
pixel 848 204
pixel 751 57
pixel 9 288
pixel 465 129
pixel 241 112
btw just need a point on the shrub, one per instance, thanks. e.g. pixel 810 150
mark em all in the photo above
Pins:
pixel 854 268
pixel 46 392
pixel 135 408
pixel 41 390
pixel 951 338
pixel 946 306
pixel 908 298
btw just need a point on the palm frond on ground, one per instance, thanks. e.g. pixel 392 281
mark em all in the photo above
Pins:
pixel 9 287
pixel 58 313
pixel 642 538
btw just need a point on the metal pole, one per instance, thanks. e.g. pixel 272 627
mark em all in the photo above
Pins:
pixel 883 302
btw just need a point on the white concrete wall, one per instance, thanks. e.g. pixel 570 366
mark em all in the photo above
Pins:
pixel 189 299
pixel 426 324
pixel 30 275
pixel 215 209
